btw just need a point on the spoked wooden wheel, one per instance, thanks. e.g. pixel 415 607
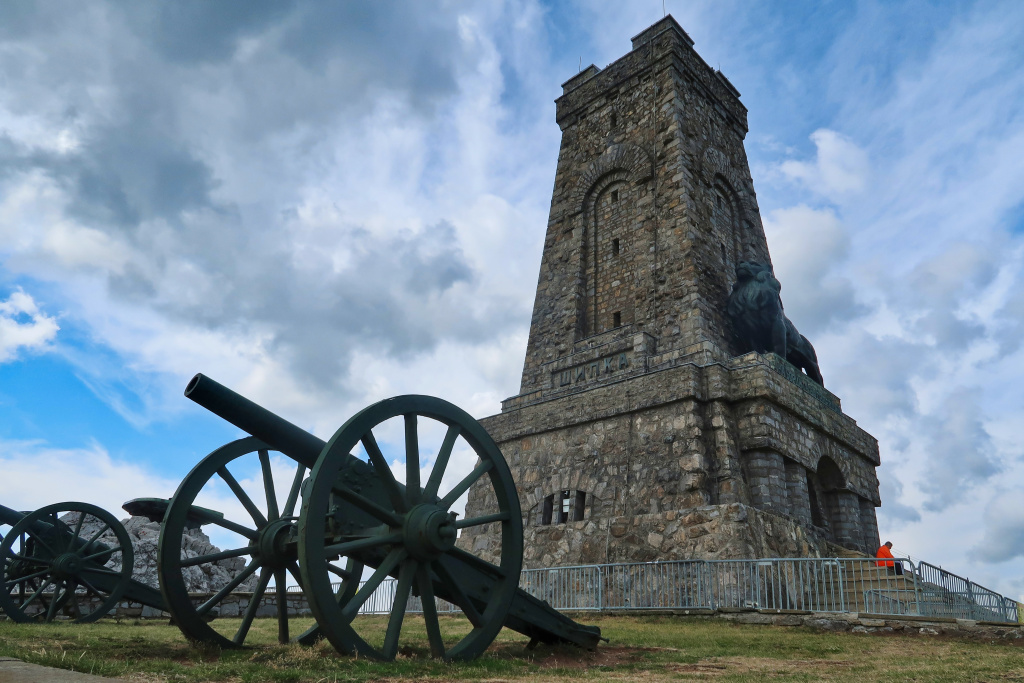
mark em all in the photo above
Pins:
pixel 260 532
pixel 53 569
pixel 409 532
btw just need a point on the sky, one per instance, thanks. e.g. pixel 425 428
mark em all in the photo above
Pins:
pixel 321 205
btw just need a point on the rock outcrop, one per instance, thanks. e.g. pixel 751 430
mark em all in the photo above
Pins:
pixel 145 536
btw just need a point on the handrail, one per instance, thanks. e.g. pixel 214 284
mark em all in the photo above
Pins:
pixel 954 586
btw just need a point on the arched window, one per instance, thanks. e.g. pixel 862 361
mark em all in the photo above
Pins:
pixel 829 474
pixel 608 257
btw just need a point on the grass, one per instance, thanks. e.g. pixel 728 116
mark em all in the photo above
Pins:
pixel 649 649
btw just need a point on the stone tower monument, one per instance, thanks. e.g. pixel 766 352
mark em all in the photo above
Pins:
pixel 642 431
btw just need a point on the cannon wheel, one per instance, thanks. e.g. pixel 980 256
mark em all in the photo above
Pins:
pixel 416 533
pixel 42 553
pixel 269 546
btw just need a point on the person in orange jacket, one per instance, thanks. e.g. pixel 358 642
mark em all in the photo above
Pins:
pixel 885 551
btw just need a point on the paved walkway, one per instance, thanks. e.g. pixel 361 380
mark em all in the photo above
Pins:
pixel 16 671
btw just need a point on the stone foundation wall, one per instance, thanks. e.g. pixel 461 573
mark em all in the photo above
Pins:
pixel 854 622
pixel 693 461
pixel 708 532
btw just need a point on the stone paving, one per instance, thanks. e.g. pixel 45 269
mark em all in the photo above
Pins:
pixel 16 671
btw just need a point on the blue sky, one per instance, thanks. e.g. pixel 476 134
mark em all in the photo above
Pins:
pixel 323 205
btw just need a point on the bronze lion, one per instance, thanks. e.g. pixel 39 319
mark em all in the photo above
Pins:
pixel 755 308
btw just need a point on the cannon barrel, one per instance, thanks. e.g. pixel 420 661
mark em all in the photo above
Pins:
pixel 527 614
pixel 10 517
pixel 282 435
pixel 40 528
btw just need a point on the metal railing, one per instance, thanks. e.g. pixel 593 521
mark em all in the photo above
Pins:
pixel 946 593
pixel 774 584
pixel 566 588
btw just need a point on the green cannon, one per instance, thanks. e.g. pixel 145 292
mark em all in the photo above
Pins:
pixel 356 516
pixel 75 560
pixel 54 569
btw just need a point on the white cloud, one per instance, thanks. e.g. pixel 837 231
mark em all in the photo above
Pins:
pixel 368 222
pixel 841 167
pixel 1003 537
pixel 944 133
pixel 36 474
pixel 809 247
pixel 74 246
pixel 894 510
pixel 24 326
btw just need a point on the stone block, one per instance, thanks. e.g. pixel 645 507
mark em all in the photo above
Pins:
pixel 787 620
pixel 754 618
pixel 829 624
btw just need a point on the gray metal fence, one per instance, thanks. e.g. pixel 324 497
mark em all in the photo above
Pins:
pixel 945 593
pixel 566 588
pixel 800 584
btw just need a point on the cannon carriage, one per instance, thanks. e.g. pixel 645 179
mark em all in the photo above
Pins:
pixel 67 560
pixel 74 561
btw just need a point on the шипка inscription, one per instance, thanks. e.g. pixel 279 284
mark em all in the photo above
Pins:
pixel 602 367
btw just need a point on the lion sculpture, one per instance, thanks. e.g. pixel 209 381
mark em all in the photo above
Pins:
pixel 755 308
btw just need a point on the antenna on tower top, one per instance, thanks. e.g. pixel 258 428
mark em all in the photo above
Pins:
pixel 663 12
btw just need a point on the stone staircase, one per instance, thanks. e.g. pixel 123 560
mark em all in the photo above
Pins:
pixel 873 589
pixel 868 588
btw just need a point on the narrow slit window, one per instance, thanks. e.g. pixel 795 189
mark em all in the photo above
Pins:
pixel 547 509
pixel 615 195
pixel 615 247
pixel 615 120
pixel 616 319
pixel 579 505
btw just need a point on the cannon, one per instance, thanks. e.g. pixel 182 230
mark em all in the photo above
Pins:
pixel 53 568
pixel 355 515
pixel 49 569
